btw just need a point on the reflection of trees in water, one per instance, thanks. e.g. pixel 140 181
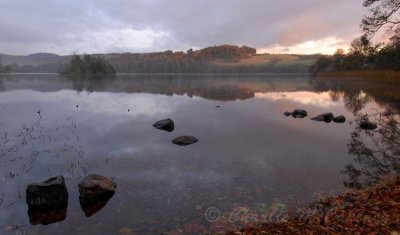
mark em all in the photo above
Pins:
pixel 354 100
pixel 377 152
pixel 90 83
pixel 222 88
pixel 357 93
pixel 214 89
pixel 2 84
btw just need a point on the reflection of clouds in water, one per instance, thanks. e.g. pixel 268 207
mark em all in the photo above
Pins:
pixel 322 99
pixel 139 104
pixel 99 102
pixel 127 150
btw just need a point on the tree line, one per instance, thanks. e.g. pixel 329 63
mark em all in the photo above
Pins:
pixel 4 68
pixel 215 59
pixel 363 54
pixel 87 64
pixel 193 61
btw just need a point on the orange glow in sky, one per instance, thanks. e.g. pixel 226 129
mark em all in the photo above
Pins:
pixel 324 46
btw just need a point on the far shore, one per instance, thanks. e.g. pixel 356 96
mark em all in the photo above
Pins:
pixel 375 74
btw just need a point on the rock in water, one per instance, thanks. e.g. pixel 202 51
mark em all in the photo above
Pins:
pixel 49 193
pixel 287 114
pixel 299 113
pixel 367 125
pixel 47 216
pixel 326 117
pixel 184 140
pixel 94 188
pixel 339 119
pixel 166 125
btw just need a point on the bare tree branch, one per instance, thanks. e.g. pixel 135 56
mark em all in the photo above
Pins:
pixel 385 14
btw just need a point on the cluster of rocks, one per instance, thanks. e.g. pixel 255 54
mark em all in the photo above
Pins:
pixel 297 113
pixel 169 125
pixel 329 117
pixel 48 200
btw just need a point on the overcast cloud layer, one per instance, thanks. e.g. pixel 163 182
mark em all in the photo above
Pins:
pixel 103 26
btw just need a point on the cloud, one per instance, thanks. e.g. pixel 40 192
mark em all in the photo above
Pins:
pixel 148 25
pixel 325 46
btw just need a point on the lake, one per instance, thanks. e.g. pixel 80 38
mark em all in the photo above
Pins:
pixel 250 158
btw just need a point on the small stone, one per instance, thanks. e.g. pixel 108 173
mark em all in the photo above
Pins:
pixel 326 117
pixel 94 188
pixel 165 124
pixel 299 113
pixel 184 140
pixel 367 125
pixel 340 119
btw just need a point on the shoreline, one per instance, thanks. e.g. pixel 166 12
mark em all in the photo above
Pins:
pixel 374 74
pixel 371 210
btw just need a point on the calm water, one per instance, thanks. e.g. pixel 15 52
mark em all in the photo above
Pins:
pixel 249 155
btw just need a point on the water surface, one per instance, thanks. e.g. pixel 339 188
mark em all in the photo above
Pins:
pixel 248 155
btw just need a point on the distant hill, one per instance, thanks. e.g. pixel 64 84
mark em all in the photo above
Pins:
pixel 216 59
pixel 33 59
pixel 34 63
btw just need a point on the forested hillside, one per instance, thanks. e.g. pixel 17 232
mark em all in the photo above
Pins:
pixel 216 59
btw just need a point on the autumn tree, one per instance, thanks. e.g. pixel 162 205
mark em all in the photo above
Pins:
pixel 338 59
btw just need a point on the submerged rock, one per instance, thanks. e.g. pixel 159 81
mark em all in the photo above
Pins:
pixel 95 188
pixel 287 113
pixel 325 117
pixel 51 193
pixel 184 140
pixel 339 119
pixel 165 124
pixel 299 113
pixel 367 125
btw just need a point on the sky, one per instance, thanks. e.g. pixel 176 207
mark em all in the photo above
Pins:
pixel 105 26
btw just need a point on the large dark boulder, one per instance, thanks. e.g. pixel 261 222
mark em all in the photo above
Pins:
pixel 95 188
pixel 51 193
pixel 340 119
pixel 299 113
pixel 184 140
pixel 325 117
pixel 47 216
pixel 165 124
pixel 367 125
